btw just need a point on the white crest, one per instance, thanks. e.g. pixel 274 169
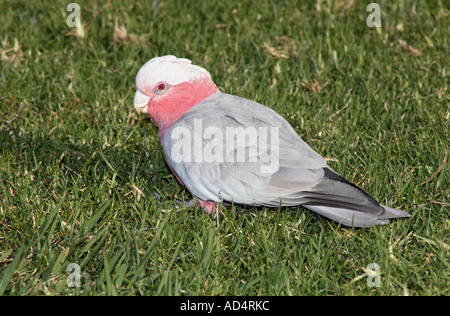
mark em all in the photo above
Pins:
pixel 170 69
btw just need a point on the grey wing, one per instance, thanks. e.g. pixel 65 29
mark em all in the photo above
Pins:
pixel 246 172
pixel 280 171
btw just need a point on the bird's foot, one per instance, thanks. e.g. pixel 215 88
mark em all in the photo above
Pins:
pixel 210 207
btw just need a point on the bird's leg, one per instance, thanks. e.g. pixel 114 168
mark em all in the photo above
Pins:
pixel 209 207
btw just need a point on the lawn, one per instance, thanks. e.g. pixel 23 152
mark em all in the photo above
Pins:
pixel 79 167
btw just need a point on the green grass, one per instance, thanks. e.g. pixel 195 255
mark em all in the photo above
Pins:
pixel 78 165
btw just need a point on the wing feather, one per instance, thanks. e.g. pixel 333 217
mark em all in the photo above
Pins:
pixel 302 176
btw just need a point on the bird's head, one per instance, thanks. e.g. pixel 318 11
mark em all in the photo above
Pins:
pixel 167 87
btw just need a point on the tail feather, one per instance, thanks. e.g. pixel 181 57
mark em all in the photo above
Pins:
pixel 393 212
pixel 353 218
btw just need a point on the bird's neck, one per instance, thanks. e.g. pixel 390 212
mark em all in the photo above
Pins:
pixel 168 108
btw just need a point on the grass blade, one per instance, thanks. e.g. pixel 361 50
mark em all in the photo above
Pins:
pixel 9 272
pixel 94 219
pixel 151 247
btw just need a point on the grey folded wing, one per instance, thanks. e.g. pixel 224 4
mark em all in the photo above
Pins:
pixel 274 168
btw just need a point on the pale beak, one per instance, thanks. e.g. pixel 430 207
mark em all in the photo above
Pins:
pixel 141 102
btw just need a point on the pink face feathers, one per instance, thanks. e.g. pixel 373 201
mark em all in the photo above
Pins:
pixel 167 87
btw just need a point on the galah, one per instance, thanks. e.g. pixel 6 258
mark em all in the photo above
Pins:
pixel 228 149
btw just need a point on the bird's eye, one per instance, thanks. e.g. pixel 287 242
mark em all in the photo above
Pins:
pixel 161 87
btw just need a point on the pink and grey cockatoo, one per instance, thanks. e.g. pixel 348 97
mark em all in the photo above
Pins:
pixel 198 126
